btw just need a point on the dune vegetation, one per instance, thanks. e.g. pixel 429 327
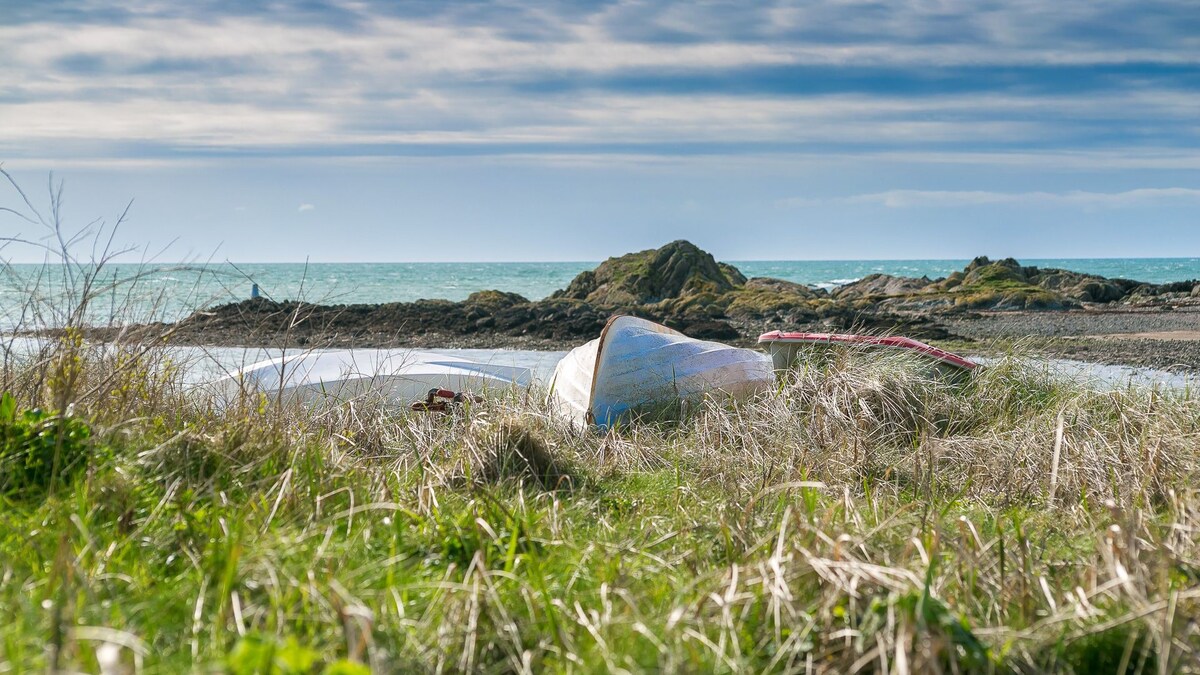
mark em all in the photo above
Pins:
pixel 864 516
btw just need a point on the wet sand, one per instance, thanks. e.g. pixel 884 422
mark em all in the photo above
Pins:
pixel 1161 338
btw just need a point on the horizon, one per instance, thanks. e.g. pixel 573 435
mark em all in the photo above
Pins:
pixel 967 259
pixel 571 131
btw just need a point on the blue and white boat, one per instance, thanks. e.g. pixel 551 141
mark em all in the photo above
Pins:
pixel 640 368
pixel 399 376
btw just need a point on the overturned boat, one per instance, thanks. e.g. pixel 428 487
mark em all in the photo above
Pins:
pixel 786 348
pixel 640 368
pixel 398 376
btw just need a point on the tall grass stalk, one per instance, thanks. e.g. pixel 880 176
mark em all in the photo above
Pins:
pixel 866 516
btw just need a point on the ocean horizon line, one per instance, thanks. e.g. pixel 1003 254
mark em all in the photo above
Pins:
pixel 1019 258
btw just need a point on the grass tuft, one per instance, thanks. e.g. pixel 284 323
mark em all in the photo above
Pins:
pixel 866 515
pixel 515 449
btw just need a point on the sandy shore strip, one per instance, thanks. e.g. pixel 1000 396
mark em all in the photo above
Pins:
pixel 1174 335
pixel 1165 340
pixel 1094 323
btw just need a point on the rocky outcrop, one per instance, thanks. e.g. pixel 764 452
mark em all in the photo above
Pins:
pixel 874 285
pixel 983 284
pixel 1037 288
pixel 1062 288
pixel 494 313
pixel 685 288
pixel 774 299
pixel 769 285
pixel 1002 285
pixel 677 270
pixel 1083 287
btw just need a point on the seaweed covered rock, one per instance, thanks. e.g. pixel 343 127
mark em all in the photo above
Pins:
pixel 495 309
pixel 882 285
pixel 773 299
pixel 495 299
pixel 677 270
pixel 563 319
pixel 705 329
pixel 1063 288
pixel 984 272
pixel 685 288
pixel 1163 294
pixel 983 284
pixel 999 285
pixel 781 287
pixel 1085 287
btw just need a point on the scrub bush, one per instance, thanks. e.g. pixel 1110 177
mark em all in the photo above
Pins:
pixel 39 449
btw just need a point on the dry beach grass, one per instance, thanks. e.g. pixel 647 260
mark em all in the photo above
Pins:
pixel 864 516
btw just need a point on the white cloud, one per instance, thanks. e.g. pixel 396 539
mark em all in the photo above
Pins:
pixel 185 122
pixel 305 207
pixel 900 199
pixel 440 80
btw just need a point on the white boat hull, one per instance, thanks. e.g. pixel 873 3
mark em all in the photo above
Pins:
pixel 637 367
pixel 395 376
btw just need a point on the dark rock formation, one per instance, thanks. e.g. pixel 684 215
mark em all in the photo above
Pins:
pixel 1085 287
pixel 1001 285
pixel 677 270
pixel 1065 288
pixel 880 285
pixel 774 300
pixel 685 288
pixel 498 314
pixel 678 285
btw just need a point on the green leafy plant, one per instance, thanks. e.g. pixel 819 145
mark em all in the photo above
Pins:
pixel 257 654
pixel 39 449
pixel 1122 649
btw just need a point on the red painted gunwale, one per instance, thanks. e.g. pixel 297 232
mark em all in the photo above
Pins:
pixel 870 340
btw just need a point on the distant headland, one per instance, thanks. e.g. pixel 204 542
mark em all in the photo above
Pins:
pixel 686 288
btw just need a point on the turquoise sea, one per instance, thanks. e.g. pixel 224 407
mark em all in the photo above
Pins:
pixel 165 291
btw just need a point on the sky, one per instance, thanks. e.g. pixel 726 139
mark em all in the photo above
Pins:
pixel 365 130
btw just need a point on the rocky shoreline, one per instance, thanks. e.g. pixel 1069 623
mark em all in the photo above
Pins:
pixel 1165 338
pixel 1057 311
